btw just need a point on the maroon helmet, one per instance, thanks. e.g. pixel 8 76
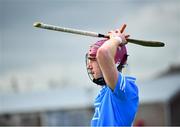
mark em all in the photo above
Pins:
pixel 120 59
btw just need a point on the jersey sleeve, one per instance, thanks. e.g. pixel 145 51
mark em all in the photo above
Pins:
pixel 123 85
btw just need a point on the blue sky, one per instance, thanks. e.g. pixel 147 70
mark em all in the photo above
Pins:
pixel 36 58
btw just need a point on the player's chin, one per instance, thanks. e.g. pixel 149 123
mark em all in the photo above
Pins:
pixel 96 76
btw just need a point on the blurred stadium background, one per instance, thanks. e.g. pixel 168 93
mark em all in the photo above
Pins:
pixel 43 78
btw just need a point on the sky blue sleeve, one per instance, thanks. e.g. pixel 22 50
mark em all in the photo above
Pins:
pixel 125 87
pixel 120 85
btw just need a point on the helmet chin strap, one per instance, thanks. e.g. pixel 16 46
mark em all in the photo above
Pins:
pixel 99 81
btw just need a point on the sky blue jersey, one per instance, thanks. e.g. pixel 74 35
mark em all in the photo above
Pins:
pixel 117 107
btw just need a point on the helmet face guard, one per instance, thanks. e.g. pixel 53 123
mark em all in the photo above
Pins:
pixel 98 81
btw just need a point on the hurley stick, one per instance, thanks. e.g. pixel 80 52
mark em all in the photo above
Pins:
pixel 94 34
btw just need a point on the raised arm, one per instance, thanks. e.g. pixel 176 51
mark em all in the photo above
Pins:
pixel 105 56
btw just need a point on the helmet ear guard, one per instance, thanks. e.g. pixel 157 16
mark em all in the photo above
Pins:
pixel 122 64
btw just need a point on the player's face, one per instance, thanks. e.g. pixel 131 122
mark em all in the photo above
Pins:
pixel 94 67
